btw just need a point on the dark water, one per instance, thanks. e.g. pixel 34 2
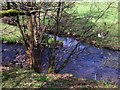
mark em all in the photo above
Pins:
pixel 87 61
pixel 91 62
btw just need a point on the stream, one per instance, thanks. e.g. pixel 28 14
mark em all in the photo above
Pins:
pixel 87 61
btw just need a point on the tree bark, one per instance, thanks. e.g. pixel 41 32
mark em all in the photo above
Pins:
pixel 38 57
pixel 30 28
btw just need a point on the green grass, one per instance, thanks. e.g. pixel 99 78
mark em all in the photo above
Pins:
pixel 110 18
pixel 24 78
pixel 82 9
pixel 9 33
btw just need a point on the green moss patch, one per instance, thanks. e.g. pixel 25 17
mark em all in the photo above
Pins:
pixel 10 12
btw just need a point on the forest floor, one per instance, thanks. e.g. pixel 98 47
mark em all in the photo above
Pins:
pixel 24 78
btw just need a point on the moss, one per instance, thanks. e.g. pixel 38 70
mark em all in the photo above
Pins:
pixel 58 42
pixel 50 41
pixel 10 12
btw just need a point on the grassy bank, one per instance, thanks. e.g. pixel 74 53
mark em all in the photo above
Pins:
pixel 21 78
pixel 9 33
pixel 12 35
pixel 109 22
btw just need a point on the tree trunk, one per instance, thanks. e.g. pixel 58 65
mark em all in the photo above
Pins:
pixel 38 57
pixel 31 48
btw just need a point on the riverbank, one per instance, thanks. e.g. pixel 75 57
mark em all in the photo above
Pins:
pixel 87 14
pixel 24 78
pixel 87 40
pixel 12 35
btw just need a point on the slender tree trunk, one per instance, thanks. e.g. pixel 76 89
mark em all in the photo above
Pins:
pixel 38 50
pixel 52 65
pixel 30 28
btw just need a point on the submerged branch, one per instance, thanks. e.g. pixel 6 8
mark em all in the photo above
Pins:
pixel 68 58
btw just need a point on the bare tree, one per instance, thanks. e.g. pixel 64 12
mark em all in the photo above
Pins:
pixel 35 19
